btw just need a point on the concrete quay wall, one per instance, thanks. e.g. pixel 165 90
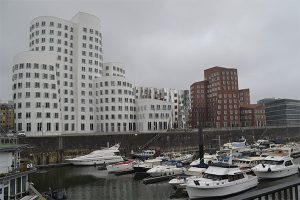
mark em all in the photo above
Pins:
pixel 53 149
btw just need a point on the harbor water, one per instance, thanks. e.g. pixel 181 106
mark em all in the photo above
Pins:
pixel 89 183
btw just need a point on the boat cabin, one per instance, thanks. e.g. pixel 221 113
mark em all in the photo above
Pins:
pixel 13 174
pixel 277 160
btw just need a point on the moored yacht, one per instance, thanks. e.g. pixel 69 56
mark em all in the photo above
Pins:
pixel 104 156
pixel 121 167
pixel 220 179
pixel 185 159
pixel 166 170
pixel 144 155
pixel 247 162
pixel 275 167
pixel 146 165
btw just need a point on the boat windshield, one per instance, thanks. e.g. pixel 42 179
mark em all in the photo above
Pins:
pixel 214 177
pixel 272 162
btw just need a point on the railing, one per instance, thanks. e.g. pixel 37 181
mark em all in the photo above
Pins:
pixel 286 191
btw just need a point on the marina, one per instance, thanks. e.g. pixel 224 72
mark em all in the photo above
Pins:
pixel 84 183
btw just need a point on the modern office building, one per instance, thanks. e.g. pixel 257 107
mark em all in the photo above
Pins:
pixel 283 112
pixel 216 101
pixel 252 115
pixel 6 116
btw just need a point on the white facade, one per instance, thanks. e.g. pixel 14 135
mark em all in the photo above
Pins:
pixel 180 100
pixel 74 49
pixel 61 85
pixel 153 115
pixel 115 101
pixel 35 93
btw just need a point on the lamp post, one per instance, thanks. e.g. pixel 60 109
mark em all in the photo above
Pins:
pixel 43 116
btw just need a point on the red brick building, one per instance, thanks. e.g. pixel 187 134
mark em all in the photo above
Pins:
pixel 198 103
pixel 216 100
pixel 252 115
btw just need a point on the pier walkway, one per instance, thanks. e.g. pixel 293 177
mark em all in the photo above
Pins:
pixel 286 191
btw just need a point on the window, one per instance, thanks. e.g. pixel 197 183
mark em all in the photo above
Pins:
pixel 48 126
pixel 39 126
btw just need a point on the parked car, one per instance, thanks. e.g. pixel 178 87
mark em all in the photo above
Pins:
pixel 21 134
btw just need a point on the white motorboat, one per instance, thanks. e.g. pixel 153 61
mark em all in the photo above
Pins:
pixel 145 154
pixel 121 167
pixel 146 165
pixel 184 159
pixel 247 162
pixel 207 160
pixel 276 167
pixel 192 172
pixel 165 170
pixel 220 179
pixel 104 156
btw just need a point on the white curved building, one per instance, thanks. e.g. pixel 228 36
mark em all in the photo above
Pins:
pixel 115 102
pixel 76 46
pixel 153 115
pixel 36 93
pixel 61 85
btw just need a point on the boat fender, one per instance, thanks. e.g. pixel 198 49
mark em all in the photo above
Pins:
pixel 299 169
pixel 269 170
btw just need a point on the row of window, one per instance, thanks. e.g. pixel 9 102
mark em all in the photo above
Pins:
pixel 51 24
pixel 36 85
pixel 113 127
pixel 38 115
pixel 92 31
pixel 117 108
pixel 91 39
pixel 114 117
pixel 51 32
pixel 115 100
pixel 114 92
pixel 113 83
pixel 37 105
pixel 33 65
pixel 35 75
pixel 37 95
pixel 50 127
pixel 154 116
pixel 115 69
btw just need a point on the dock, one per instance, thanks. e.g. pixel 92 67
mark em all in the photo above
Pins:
pixel 151 180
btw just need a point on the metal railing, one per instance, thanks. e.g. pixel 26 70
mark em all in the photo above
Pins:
pixel 286 191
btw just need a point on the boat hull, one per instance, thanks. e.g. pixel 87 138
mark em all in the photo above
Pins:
pixel 95 161
pixel 166 172
pixel 120 168
pixel 205 192
pixel 141 169
pixel 276 174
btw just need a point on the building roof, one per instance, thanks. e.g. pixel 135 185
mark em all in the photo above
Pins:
pixel 223 68
pixel 252 106
pixel 12 147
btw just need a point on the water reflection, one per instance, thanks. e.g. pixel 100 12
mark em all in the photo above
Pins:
pixel 90 183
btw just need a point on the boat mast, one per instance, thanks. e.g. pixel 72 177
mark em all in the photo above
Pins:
pixel 200 135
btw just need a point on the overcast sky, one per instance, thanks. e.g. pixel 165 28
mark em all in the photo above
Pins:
pixel 169 43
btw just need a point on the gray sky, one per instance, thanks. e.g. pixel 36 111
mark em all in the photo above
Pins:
pixel 169 43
